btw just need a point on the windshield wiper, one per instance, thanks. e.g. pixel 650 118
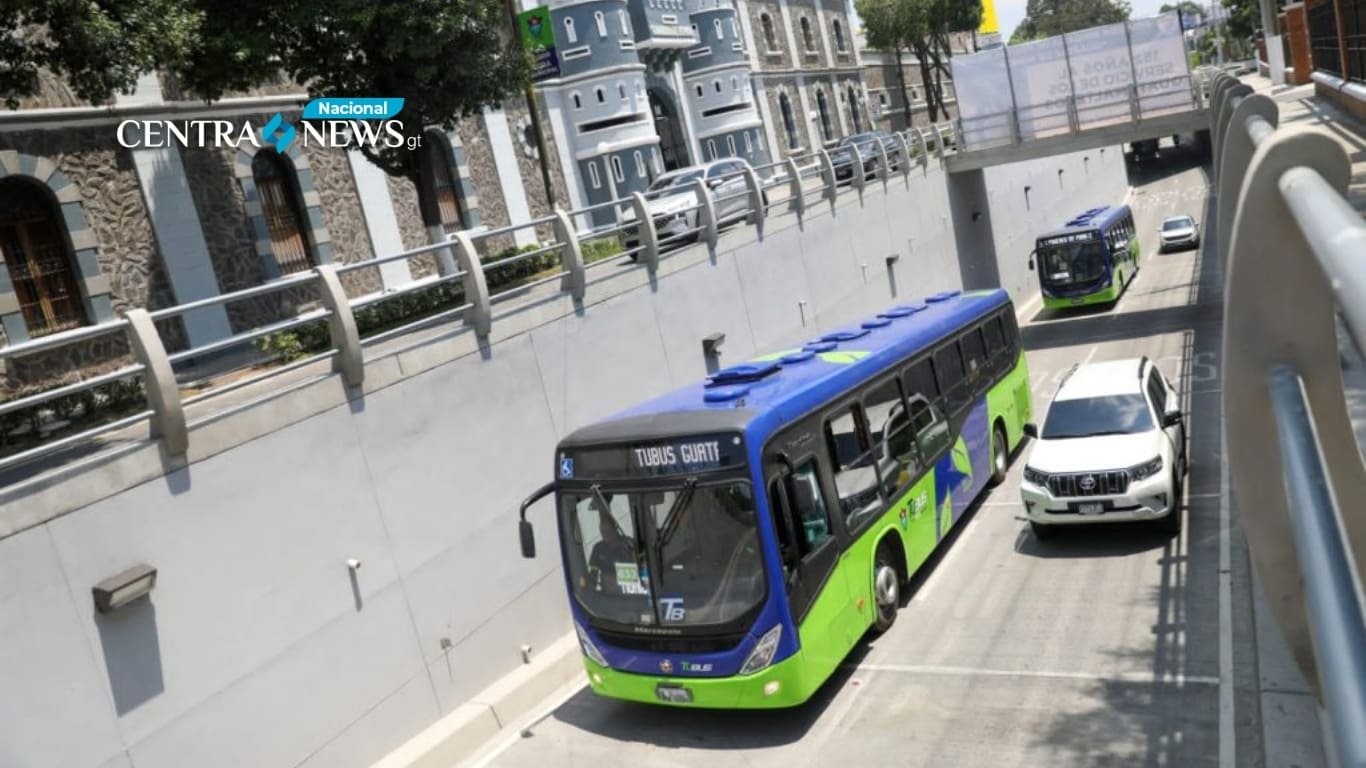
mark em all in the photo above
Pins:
pixel 672 520
pixel 605 508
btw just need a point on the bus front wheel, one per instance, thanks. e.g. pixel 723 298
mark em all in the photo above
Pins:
pixel 886 589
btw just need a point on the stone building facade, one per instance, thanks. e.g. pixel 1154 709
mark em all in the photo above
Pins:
pixel 91 226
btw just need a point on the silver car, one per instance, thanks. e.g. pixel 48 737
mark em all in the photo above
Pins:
pixel 1179 232
pixel 672 201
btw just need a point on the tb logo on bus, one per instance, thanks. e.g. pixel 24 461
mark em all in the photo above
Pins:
pixel 673 608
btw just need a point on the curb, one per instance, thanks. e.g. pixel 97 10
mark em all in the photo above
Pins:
pixel 470 726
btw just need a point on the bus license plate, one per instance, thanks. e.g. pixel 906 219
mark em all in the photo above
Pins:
pixel 1078 301
pixel 1092 508
pixel 674 694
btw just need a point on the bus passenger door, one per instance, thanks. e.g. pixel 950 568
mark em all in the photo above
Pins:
pixel 810 552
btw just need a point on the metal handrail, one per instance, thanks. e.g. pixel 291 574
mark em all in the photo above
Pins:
pixel 1284 222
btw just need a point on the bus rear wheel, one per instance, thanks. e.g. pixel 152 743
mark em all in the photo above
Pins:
pixel 886 590
pixel 998 455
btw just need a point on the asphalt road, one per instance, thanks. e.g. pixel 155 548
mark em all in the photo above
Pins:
pixel 1105 646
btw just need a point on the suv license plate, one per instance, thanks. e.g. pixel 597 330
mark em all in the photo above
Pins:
pixel 674 694
pixel 1093 508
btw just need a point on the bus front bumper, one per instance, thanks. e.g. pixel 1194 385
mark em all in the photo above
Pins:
pixel 1103 296
pixel 780 685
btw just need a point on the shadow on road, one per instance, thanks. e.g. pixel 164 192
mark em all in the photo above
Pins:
pixel 1172 717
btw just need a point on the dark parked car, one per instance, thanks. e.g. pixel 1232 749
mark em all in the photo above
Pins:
pixel 865 145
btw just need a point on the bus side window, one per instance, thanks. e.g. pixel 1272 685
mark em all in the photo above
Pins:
pixel 788 548
pixel 919 379
pixel 974 360
pixel 893 442
pixel 996 342
pixel 808 504
pixel 948 368
pixel 931 429
pixel 855 477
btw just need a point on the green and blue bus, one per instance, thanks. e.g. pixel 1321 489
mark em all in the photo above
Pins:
pixel 1089 260
pixel 727 544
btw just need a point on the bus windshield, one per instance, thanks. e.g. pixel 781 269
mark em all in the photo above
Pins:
pixel 1072 263
pixel 683 557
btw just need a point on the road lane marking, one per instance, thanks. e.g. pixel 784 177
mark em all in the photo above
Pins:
pixel 1112 677
pixel 514 732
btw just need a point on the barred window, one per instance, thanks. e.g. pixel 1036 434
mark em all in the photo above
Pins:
pixel 41 267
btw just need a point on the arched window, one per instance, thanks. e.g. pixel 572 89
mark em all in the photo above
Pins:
pixel 839 35
pixel 601 94
pixel 734 83
pixel 711 149
pixel 807 40
pixel 621 91
pixel 824 108
pixel 621 19
pixel 601 22
pixel 440 181
pixel 617 171
pixel 730 145
pixel 593 177
pixel 578 102
pixel 699 90
pixel 569 30
pixel 640 164
pixel 658 159
pixel 766 24
pixel 716 24
pixel 854 110
pixel 41 268
pixel 749 145
pixel 789 123
pixel 279 193
pixel 735 28
pixel 717 85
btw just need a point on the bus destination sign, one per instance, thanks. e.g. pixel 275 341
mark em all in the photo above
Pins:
pixel 1074 237
pixel 653 458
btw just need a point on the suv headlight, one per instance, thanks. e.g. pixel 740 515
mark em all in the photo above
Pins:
pixel 590 650
pixel 762 655
pixel 1147 469
pixel 1032 475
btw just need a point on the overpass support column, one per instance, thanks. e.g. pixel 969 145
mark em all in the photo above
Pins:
pixel 971 219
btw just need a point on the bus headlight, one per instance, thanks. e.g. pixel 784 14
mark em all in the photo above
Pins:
pixel 762 655
pixel 589 650
pixel 1147 469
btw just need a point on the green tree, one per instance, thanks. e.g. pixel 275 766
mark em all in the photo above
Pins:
pixel 99 46
pixel 1047 18
pixel 922 28
pixel 448 59
pixel 1184 6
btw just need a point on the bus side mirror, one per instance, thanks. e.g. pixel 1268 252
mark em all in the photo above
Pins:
pixel 1031 260
pixel 1032 430
pixel 528 535
pixel 524 530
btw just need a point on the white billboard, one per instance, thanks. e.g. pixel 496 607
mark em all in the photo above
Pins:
pixel 1101 68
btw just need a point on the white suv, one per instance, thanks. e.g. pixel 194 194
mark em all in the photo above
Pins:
pixel 1112 448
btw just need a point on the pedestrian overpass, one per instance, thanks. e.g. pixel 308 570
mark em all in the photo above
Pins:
pixel 1085 90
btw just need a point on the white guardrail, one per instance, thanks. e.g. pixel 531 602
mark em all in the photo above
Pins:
pixel 150 394
pixel 1294 256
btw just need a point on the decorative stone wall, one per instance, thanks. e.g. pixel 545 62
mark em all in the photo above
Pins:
pixel 98 174
pixel 227 232
pixel 765 57
pixel 529 165
pixel 474 139
pixel 336 188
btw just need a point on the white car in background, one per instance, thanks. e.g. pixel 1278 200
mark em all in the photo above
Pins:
pixel 1112 449
pixel 672 201
pixel 1179 231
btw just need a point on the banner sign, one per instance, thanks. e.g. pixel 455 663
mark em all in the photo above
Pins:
pixel 538 35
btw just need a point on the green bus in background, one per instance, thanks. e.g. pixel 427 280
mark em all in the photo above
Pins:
pixel 726 545
pixel 1088 260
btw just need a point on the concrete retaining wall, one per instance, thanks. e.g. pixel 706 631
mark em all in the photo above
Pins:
pixel 261 647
